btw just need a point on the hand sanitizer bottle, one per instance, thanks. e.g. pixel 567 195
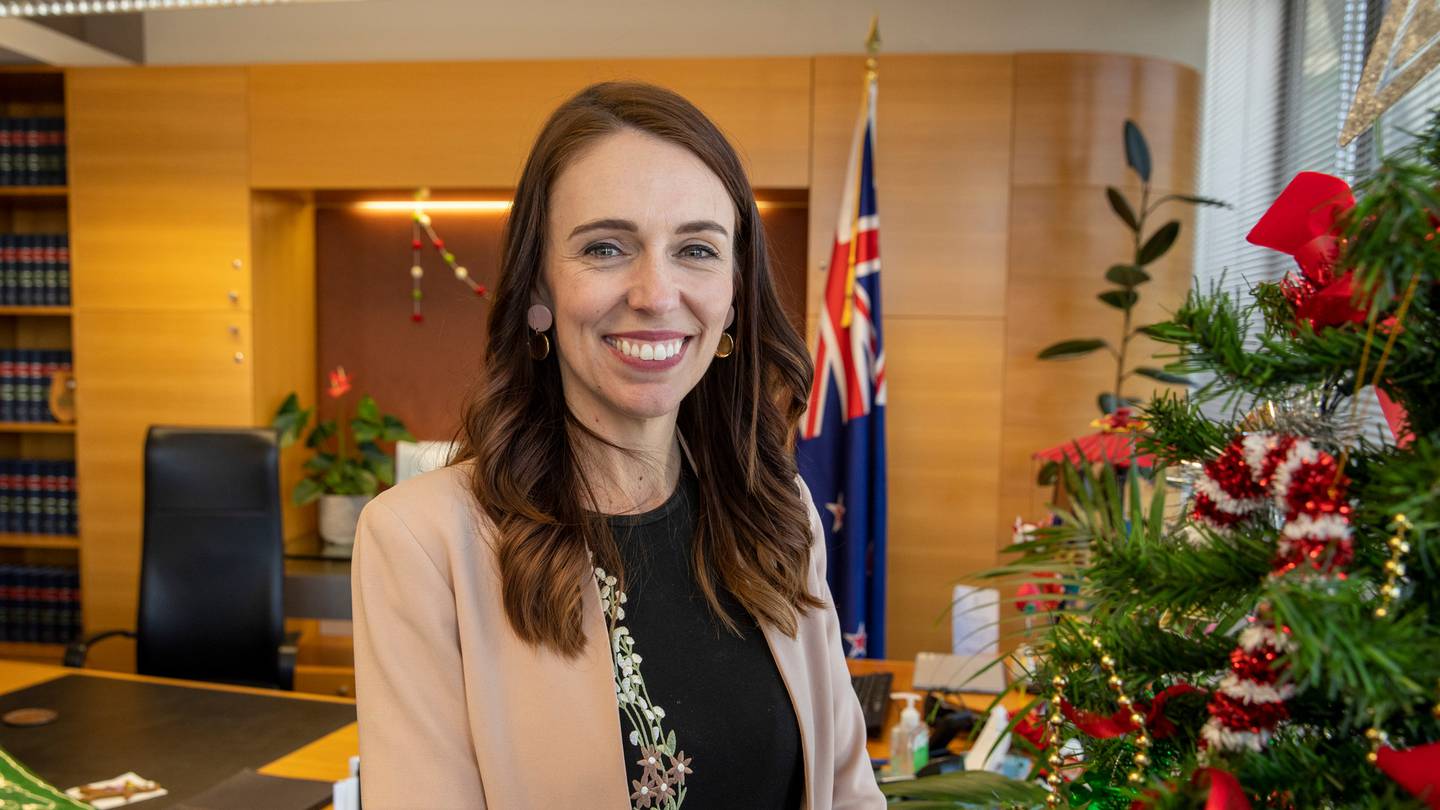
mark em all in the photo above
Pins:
pixel 909 740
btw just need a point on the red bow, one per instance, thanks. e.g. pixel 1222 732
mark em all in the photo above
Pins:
pixel 1417 770
pixel 1225 791
pixel 1304 222
pixel 1101 726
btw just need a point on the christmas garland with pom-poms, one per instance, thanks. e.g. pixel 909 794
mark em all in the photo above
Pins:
pixel 1305 485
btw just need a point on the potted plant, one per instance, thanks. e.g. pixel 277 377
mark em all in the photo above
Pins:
pixel 340 478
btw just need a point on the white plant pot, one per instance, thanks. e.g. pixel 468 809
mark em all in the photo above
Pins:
pixel 338 516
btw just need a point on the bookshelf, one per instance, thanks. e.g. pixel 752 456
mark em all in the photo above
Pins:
pixel 37 456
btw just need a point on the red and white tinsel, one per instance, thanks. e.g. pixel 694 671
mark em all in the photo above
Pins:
pixel 1304 485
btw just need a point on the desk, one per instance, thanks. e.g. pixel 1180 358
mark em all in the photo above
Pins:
pixel 317 579
pixel 903 673
pixel 324 758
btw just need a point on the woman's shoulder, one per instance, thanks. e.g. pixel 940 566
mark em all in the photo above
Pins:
pixel 438 510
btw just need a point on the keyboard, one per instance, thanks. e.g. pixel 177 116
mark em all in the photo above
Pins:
pixel 874 693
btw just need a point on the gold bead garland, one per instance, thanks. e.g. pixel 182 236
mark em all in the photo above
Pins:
pixel 1377 738
pixel 1052 742
pixel 1394 568
pixel 1142 740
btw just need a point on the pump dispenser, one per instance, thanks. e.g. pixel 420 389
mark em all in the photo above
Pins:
pixel 910 739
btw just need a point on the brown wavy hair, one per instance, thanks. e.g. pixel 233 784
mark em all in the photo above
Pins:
pixel 752 530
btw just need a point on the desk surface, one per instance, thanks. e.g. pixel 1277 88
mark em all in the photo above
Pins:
pixel 326 758
pixel 904 675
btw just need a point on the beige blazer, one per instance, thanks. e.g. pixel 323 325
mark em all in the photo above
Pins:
pixel 456 711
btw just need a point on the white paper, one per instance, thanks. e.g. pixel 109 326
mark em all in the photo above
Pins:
pixel 975 621
pixel 118 782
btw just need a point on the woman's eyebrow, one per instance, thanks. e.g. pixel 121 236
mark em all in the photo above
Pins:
pixel 626 225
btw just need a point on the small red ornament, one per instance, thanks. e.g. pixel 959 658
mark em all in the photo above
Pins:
pixel 416 317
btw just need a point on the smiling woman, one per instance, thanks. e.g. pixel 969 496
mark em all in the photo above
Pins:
pixel 621 563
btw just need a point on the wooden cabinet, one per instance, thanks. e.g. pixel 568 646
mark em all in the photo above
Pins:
pixel 166 326
pixel 160 189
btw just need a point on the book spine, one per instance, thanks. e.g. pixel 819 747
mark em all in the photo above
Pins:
pixel 7 152
pixel 62 263
pixel 31 174
pixel 7 269
pixel 48 254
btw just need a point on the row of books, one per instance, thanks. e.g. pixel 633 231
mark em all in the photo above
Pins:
pixel 32 151
pixel 39 603
pixel 25 376
pixel 37 496
pixel 34 270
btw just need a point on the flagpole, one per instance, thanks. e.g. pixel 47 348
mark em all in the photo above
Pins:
pixel 872 50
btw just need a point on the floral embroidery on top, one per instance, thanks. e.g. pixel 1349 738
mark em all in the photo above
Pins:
pixel 661 785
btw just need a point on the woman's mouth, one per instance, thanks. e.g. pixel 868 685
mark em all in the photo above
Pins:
pixel 648 354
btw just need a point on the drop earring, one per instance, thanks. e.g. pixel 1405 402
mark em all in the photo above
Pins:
pixel 726 347
pixel 540 319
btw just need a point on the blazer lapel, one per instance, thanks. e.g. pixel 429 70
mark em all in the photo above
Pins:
pixel 790 660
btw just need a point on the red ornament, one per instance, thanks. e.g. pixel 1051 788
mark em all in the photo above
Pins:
pixel 1238 715
pixel 480 290
pixel 416 317
pixel 415 244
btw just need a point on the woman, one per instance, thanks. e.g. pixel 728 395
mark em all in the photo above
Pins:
pixel 616 596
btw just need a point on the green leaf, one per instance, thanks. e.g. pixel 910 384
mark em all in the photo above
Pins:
pixel 1193 200
pixel 1066 349
pixel 1122 208
pixel 1158 243
pixel 320 463
pixel 1161 376
pixel 1119 299
pixel 367 409
pixel 306 491
pixel 1126 275
pixel 966 789
pixel 1108 403
pixel 1049 472
pixel 322 431
pixel 394 430
pixel 1165 330
pixel 1137 152
pixel 364 431
pixel 378 462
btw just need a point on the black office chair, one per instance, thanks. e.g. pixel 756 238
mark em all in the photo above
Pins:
pixel 213 563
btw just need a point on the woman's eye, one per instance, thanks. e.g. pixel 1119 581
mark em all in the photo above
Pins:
pixel 705 252
pixel 601 246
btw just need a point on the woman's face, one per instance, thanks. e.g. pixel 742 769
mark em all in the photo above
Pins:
pixel 639 271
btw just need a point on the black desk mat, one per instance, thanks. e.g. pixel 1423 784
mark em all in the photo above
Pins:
pixel 187 739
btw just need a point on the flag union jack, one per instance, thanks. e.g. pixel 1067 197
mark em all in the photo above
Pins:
pixel 842 436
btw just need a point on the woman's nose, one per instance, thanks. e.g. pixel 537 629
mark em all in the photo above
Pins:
pixel 652 287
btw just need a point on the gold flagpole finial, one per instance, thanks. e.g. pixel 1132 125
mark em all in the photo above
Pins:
pixel 872 43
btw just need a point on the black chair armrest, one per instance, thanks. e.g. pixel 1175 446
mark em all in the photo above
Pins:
pixel 289 648
pixel 76 651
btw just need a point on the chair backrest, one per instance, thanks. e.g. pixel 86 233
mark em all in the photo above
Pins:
pixel 213 565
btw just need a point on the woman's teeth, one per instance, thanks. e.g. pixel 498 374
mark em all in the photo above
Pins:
pixel 664 350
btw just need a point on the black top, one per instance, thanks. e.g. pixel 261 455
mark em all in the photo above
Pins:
pixel 722 695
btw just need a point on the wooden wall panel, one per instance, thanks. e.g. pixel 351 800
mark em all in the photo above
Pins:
pixel 942 173
pixel 157 188
pixel 1070 109
pixel 941 419
pixel 283 236
pixel 1069 116
pixel 136 369
pixel 470 124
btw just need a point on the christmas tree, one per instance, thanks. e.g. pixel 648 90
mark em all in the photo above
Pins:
pixel 1258 625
